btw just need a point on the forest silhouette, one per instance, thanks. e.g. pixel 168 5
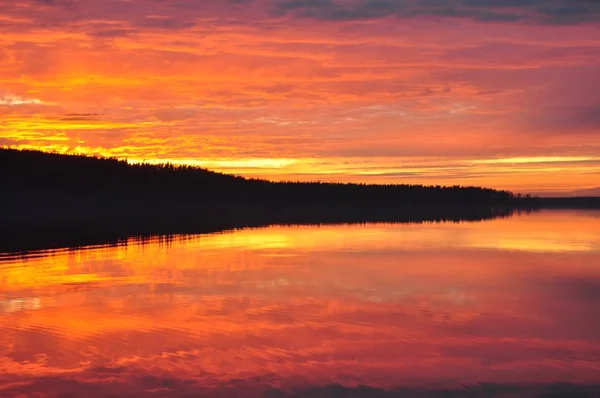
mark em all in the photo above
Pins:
pixel 55 200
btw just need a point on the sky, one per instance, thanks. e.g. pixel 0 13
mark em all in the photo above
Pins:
pixel 499 93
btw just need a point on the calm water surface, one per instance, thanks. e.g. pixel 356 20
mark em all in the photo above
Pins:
pixel 507 307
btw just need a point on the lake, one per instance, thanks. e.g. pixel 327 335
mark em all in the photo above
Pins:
pixel 507 307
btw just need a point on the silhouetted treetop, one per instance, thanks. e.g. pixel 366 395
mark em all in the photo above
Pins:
pixel 27 171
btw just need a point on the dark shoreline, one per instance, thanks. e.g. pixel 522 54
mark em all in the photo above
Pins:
pixel 55 201
pixel 31 224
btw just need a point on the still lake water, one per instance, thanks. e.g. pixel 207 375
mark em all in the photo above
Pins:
pixel 507 307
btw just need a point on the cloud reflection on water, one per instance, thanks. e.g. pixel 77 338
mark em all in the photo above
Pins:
pixel 419 310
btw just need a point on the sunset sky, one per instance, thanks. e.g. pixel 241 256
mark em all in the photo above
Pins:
pixel 500 93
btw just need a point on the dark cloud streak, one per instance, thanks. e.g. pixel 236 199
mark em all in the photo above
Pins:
pixel 537 11
pixel 183 14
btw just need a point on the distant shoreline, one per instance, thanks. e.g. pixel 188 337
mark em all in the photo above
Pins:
pixel 575 202
pixel 54 201
pixel 57 222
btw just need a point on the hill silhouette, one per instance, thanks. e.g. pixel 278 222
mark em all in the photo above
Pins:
pixel 51 200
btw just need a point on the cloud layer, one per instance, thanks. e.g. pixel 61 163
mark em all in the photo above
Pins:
pixel 370 90
pixel 536 11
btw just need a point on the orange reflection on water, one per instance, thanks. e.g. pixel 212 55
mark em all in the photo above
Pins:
pixel 502 301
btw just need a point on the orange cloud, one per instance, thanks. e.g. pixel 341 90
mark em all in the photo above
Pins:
pixel 241 84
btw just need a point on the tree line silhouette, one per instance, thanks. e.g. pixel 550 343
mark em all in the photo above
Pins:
pixel 57 200
pixel 29 171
